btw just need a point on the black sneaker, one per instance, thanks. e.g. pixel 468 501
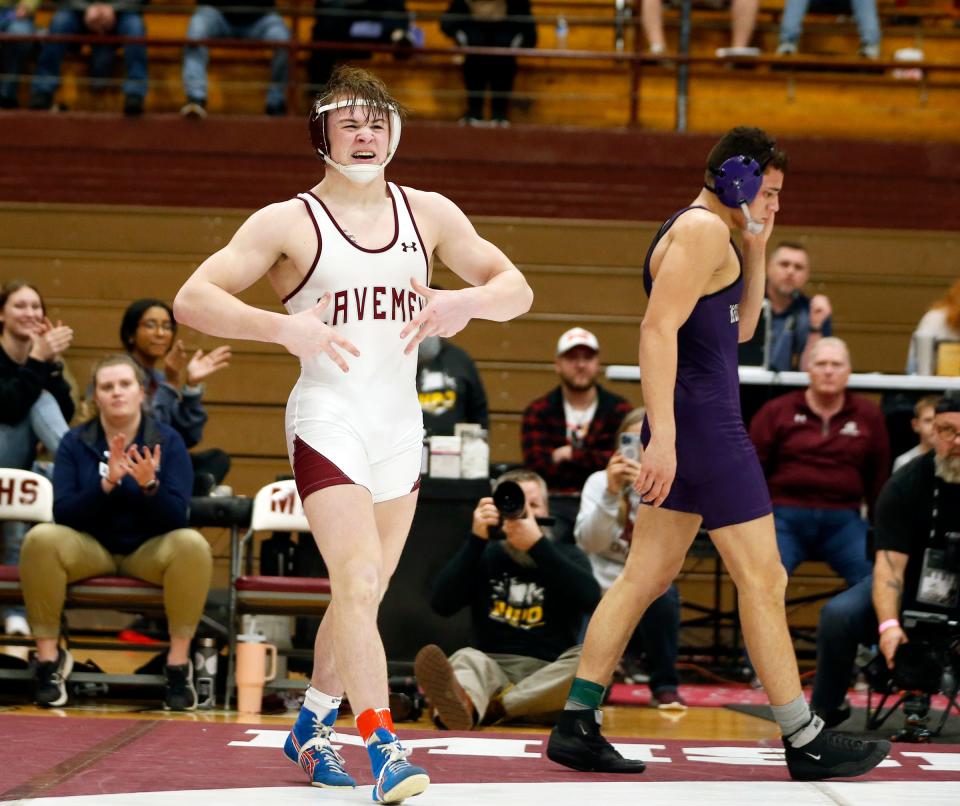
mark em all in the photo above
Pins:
pixel 180 695
pixel 276 110
pixel 133 106
pixel 833 755
pixel 576 743
pixel 835 716
pixel 50 680
pixel 41 100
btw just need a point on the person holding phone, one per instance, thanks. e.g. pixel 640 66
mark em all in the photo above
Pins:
pixel 603 529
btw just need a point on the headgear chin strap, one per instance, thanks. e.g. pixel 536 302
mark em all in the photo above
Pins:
pixel 361 174
pixel 736 183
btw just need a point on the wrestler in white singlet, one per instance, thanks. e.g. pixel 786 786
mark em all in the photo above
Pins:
pixel 366 425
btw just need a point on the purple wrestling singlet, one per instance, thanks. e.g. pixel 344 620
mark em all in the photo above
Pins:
pixel 718 474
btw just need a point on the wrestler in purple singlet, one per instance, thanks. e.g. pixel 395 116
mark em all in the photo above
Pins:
pixel 718 474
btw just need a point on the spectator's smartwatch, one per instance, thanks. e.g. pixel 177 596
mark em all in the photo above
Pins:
pixel 151 486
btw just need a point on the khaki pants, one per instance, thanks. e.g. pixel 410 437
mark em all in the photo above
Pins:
pixel 53 556
pixel 529 688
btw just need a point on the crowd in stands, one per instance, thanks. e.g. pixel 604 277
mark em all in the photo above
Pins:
pixel 122 476
pixel 467 23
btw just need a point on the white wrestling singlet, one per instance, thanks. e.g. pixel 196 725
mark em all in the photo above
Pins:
pixel 364 426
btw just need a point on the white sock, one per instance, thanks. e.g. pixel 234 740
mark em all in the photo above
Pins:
pixel 319 703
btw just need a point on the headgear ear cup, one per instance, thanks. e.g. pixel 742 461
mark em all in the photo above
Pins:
pixel 318 136
pixel 736 183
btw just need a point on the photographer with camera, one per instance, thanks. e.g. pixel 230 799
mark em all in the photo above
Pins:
pixel 604 529
pixel 917 566
pixel 528 596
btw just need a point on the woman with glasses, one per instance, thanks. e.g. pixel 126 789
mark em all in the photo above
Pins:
pixel 175 378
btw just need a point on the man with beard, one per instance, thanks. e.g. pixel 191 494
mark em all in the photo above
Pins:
pixel 528 596
pixel 916 511
pixel 568 434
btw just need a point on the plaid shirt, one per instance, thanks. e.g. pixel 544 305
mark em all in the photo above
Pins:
pixel 544 430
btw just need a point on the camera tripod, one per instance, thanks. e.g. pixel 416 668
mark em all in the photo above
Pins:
pixel 916 713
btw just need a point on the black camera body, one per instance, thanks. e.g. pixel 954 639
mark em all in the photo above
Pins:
pixel 918 664
pixel 511 502
pixel 920 668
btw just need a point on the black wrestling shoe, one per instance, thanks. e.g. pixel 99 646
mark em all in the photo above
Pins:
pixel 576 742
pixel 50 680
pixel 833 755
pixel 835 716
pixel 179 694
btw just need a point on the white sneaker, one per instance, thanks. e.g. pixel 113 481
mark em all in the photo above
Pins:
pixel 723 53
pixel 786 49
pixel 16 625
pixel 194 110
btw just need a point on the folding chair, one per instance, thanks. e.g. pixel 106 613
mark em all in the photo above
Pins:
pixel 276 507
pixel 27 496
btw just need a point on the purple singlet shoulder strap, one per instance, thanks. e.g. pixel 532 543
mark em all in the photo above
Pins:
pixel 647 278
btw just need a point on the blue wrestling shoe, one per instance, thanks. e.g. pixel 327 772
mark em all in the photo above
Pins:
pixel 397 778
pixel 309 747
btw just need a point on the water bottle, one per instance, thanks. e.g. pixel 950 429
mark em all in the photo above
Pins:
pixel 205 672
pixel 562 30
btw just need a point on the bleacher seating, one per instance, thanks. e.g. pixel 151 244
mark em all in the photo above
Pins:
pixel 827 98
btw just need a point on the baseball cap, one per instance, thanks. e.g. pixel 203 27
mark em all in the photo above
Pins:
pixel 949 403
pixel 577 337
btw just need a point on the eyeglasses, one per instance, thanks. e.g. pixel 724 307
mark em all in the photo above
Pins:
pixel 152 324
pixel 946 432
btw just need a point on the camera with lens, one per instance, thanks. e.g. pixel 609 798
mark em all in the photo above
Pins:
pixel 928 663
pixel 511 502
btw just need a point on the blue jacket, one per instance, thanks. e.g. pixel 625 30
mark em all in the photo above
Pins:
pixel 125 518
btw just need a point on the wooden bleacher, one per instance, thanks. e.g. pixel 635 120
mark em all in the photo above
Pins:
pixel 555 91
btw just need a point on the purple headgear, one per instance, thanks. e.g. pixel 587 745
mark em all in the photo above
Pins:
pixel 737 181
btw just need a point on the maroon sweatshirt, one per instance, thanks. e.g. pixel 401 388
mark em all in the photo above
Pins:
pixel 826 465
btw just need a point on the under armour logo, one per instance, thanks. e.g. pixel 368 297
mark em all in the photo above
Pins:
pixel 407 247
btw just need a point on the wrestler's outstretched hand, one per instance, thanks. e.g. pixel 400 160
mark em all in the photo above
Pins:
pixel 305 335
pixel 658 467
pixel 445 314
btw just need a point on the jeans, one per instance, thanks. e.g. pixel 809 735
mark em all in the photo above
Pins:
pixel 15 54
pixel 846 621
pixel 18 449
pixel 659 629
pixel 836 536
pixel 102 57
pixel 209 23
pixel 864 12
pixel 44 423
pixel 658 637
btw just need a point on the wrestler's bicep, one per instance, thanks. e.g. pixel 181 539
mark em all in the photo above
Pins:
pixel 252 251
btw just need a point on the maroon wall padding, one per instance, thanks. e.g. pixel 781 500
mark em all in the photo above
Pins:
pixel 247 162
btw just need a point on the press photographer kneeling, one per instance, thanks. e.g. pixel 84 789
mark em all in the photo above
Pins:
pixel 916 571
pixel 528 596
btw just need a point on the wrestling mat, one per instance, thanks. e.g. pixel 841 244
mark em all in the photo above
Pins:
pixel 79 761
